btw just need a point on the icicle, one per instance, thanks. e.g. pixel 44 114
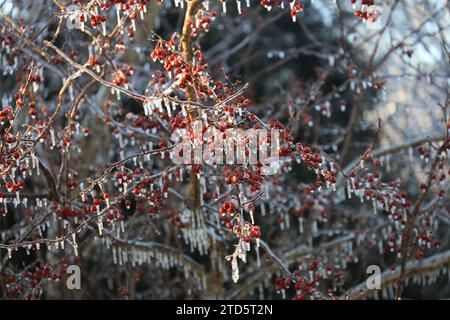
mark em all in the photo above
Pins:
pixel 224 8
pixel 314 227
pixel 74 239
pixel 168 107
pixel 234 270
pixel 38 172
pixel 100 226
pixel 410 154
pixel 9 252
pixel 238 2
pixel 251 216
pixel 114 255
pixel 258 259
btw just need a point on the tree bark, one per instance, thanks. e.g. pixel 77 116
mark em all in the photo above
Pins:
pixel 193 193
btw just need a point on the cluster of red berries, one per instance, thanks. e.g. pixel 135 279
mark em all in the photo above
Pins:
pixel 159 78
pixel 95 19
pixel 146 123
pixel 223 91
pixel 32 112
pixel 367 2
pixel 311 160
pixel 24 284
pixel 227 208
pixel 282 283
pixel 224 125
pixel 303 288
pixel 298 7
pixel 180 122
pixel 255 232
pixel 6 41
pixel 36 78
pixel 124 178
pixel 160 53
pixel 20 97
pixel 175 219
pixel 187 75
pixel 6 114
pixel 272 3
pixel 305 208
pixel 366 13
pixel 254 179
pixel 93 61
pixel 14 186
pixel 306 287
pixel 234 177
pixel 203 22
pixel 330 177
